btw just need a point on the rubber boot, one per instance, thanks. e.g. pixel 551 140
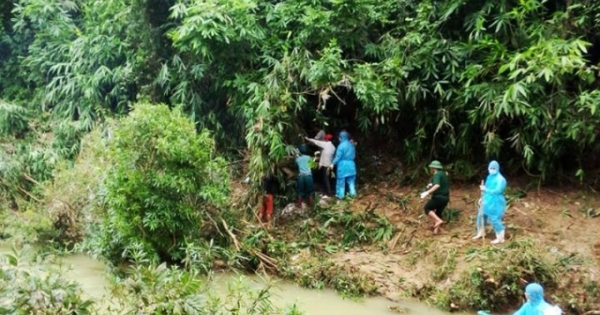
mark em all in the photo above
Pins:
pixel 480 233
pixel 310 202
pixel 499 238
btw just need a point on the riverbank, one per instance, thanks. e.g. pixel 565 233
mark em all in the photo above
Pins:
pixel 551 238
pixel 380 244
pixel 93 278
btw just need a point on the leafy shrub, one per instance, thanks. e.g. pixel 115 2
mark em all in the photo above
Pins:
pixel 25 289
pixel 10 173
pixel 70 199
pixel 26 227
pixel 357 228
pixel 166 185
pixel 321 273
pixel 499 280
pixel 159 289
pixel 13 119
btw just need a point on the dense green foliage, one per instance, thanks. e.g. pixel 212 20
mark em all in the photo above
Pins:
pixel 36 284
pixel 451 79
pixel 159 289
pixel 25 288
pixel 164 186
pixel 460 81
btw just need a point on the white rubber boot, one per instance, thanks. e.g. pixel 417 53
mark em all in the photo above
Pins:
pixel 499 238
pixel 480 233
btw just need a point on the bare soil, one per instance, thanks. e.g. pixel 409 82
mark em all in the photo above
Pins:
pixel 560 220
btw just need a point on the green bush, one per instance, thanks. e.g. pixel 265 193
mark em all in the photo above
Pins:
pixel 25 289
pixel 13 119
pixel 159 289
pixel 500 277
pixel 165 185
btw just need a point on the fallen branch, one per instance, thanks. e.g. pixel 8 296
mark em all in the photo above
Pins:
pixel 266 260
pixel 236 243
pixel 29 178
pixel 412 234
pixel 263 225
pixel 523 213
pixel 28 194
pixel 394 241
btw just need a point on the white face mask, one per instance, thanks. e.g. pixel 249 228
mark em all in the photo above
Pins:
pixel 493 171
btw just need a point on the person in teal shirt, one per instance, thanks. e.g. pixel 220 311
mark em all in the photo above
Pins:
pixel 305 186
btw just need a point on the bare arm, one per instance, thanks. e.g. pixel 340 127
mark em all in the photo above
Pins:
pixel 432 189
pixel 318 143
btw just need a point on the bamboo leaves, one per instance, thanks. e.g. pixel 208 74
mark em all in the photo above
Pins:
pixel 460 79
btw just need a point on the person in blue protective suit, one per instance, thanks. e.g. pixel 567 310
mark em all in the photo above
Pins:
pixel 346 168
pixel 535 305
pixel 493 203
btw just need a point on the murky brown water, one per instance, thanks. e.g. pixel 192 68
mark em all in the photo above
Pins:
pixel 91 275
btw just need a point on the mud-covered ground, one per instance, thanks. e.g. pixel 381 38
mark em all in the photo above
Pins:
pixel 559 220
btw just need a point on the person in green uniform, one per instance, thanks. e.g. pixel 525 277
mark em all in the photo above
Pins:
pixel 305 183
pixel 439 189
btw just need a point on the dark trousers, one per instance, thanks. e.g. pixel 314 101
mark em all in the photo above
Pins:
pixel 326 179
pixel 305 186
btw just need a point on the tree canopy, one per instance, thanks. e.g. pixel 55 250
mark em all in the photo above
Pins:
pixel 456 80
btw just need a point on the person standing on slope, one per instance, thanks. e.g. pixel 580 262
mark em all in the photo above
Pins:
pixel 305 185
pixel 325 159
pixel 346 167
pixel 493 202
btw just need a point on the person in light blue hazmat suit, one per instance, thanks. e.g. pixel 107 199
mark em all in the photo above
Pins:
pixel 492 203
pixel 535 305
pixel 346 168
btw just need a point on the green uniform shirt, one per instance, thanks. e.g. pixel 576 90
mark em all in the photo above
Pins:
pixel 440 178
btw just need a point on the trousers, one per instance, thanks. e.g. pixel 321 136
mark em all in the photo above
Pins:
pixel 340 186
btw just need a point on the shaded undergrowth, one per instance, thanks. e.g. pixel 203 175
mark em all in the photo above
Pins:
pixel 496 278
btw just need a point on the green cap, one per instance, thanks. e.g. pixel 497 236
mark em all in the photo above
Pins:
pixel 436 164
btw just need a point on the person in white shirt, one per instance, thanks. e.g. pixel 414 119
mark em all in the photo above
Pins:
pixel 320 135
pixel 325 160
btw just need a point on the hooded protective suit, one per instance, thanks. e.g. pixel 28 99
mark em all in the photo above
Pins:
pixel 493 201
pixel 346 168
pixel 536 305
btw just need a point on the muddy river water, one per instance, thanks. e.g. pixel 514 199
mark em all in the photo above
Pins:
pixel 91 276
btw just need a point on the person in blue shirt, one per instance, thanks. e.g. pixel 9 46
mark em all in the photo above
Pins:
pixel 493 203
pixel 305 186
pixel 346 167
